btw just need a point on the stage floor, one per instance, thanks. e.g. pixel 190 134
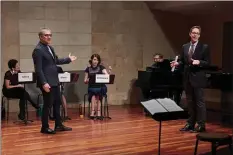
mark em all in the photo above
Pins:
pixel 129 132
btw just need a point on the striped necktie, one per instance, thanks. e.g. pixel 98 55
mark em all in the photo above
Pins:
pixel 190 53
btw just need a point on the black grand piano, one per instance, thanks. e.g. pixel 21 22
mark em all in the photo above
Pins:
pixel 157 83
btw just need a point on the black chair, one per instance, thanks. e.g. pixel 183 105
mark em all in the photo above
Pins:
pixel 8 107
pixel 7 104
pixel 89 105
pixel 217 139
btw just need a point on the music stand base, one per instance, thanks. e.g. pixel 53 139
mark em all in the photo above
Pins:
pixel 160 126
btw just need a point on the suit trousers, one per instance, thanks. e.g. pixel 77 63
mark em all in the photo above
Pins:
pixel 196 104
pixel 52 98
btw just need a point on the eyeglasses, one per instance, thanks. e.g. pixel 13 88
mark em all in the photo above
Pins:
pixel 48 35
pixel 195 33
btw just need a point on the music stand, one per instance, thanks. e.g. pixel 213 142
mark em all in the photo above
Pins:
pixel 102 79
pixel 26 78
pixel 164 110
pixel 67 77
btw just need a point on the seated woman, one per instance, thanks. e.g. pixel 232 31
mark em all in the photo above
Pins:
pixel 104 88
pixel 11 88
pixel 94 90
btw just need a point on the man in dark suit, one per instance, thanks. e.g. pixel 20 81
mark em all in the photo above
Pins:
pixel 45 64
pixel 194 58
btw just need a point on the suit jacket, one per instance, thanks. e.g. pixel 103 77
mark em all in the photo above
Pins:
pixel 192 73
pixel 46 65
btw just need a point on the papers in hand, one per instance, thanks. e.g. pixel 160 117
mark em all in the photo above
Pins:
pixel 161 106
pixel 173 68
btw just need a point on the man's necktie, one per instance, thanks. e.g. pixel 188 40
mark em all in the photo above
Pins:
pixel 50 52
pixel 190 53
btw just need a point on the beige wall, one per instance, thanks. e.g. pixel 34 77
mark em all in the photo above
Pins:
pixel 126 36
pixel 124 33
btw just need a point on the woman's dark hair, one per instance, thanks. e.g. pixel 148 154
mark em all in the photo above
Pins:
pixel 12 63
pixel 98 58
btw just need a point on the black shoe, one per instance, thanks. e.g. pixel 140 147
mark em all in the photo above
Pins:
pixel 99 117
pixel 36 106
pixel 199 129
pixel 187 127
pixel 62 128
pixel 92 117
pixel 67 118
pixel 47 131
pixel 21 117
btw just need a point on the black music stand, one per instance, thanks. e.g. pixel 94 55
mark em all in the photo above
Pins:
pixel 93 79
pixel 164 110
pixel 26 78
pixel 67 77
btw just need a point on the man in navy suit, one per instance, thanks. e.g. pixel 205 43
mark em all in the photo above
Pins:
pixel 45 64
pixel 194 58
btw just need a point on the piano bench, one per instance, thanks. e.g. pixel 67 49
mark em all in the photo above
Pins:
pixel 217 139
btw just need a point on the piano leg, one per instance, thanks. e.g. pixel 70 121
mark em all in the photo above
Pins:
pixel 227 107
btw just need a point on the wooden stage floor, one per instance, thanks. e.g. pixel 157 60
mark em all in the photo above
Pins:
pixel 129 132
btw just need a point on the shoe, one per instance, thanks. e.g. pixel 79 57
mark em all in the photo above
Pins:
pixel 67 118
pixel 187 127
pixel 92 117
pixel 21 117
pixel 62 128
pixel 199 129
pixel 99 117
pixel 36 106
pixel 47 131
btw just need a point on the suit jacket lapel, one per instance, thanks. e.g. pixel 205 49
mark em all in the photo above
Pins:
pixel 186 50
pixel 47 50
pixel 54 56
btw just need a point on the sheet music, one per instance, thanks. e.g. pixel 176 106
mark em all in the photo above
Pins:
pixel 25 77
pixel 170 105
pixel 153 106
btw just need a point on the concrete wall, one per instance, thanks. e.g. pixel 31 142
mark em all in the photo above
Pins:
pixel 125 34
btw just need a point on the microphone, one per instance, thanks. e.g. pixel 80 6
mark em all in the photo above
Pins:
pixel 173 68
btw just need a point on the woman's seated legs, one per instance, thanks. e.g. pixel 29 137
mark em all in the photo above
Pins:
pixel 95 94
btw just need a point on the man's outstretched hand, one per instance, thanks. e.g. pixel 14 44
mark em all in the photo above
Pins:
pixel 72 58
